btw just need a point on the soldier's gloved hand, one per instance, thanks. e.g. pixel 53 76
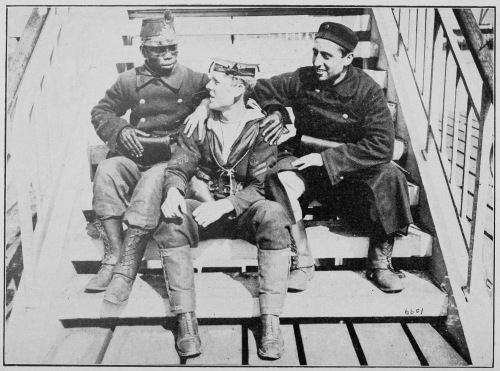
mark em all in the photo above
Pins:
pixel 197 120
pixel 273 125
pixel 174 205
pixel 128 138
pixel 209 212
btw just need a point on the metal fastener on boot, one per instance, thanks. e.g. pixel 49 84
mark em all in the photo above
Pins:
pixel 111 231
pixel 380 269
pixel 188 343
pixel 272 344
pixel 302 268
pixel 126 269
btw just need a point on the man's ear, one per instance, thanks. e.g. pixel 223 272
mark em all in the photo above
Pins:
pixel 348 59
pixel 143 51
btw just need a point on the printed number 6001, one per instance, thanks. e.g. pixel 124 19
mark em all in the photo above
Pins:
pixel 410 312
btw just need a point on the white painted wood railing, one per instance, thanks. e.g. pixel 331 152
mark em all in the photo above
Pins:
pixel 460 117
pixel 42 126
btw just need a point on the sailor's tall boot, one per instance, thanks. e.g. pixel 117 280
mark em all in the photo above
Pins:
pixel 273 279
pixel 379 265
pixel 302 268
pixel 179 277
pixel 111 231
pixel 126 269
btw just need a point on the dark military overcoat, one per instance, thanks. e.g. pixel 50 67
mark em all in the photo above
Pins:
pixel 353 112
pixel 157 103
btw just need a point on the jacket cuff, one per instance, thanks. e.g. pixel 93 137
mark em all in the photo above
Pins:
pixel 174 182
pixel 332 168
pixel 238 207
pixel 115 132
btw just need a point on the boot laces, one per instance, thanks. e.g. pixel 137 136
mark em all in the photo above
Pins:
pixel 295 255
pixel 388 255
pixel 272 329
pixel 105 240
pixel 187 326
pixel 128 254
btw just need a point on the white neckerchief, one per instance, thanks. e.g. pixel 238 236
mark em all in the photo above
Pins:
pixel 228 132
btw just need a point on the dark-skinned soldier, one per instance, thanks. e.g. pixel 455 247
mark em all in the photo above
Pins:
pixel 128 185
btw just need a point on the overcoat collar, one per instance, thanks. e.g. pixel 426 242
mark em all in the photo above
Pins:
pixel 348 86
pixel 145 76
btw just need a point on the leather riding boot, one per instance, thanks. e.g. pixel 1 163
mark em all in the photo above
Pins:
pixel 302 268
pixel 380 269
pixel 126 269
pixel 272 344
pixel 178 271
pixel 111 231
pixel 188 343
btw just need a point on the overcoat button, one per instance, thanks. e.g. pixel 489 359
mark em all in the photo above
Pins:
pixel 345 116
pixel 317 90
pixel 142 101
pixel 142 120
pixel 179 101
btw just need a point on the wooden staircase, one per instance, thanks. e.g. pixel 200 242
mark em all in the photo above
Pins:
pixel 342 319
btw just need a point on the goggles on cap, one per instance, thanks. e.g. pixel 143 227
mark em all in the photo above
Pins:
pixel 234 68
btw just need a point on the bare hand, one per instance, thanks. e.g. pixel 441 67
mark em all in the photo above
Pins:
pixel 273 127
pixel 209 212
pixel 174 205
pixel 128 137
pixel 197 120
pixel 312 159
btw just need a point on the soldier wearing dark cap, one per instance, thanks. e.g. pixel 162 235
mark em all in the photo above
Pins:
pixel 231 164
pixel 341 153
pixel 160 94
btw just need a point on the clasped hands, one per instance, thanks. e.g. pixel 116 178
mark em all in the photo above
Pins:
pixel 205 214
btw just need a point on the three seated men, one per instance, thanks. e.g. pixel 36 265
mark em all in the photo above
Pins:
pixel 341 153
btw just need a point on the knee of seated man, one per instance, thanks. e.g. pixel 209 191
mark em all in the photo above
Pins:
pixel 390 170
pixel 293 184
pixel 112 167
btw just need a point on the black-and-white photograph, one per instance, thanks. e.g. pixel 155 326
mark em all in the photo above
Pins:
pixel 249 184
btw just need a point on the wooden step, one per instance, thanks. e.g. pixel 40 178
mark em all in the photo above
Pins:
pixel 223 295
pixel 325 242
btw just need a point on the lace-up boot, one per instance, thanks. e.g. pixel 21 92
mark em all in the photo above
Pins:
pixel 111 234
pixel 127 267
pixel 302 268
pixel 380 269
pixel 188 343
pixel 272 344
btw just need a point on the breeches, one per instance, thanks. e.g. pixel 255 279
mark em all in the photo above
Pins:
pixel 264 223
pixel 121 189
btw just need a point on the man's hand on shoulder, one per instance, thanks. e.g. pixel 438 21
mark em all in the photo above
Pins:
pixel 312 159
pixel 209 212
pixel 197 120
pixel 128 138
pixel 174 205
pixel 273 127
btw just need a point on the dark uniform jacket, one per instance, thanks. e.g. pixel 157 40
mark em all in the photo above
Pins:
pixel 250 158
pixel 157 103
pixel 353 112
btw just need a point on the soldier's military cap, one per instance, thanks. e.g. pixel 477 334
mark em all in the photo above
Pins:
pixel 159 31
pixel 339 34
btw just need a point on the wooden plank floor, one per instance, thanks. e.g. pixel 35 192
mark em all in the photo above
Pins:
pixel 313 344
pixel 235 295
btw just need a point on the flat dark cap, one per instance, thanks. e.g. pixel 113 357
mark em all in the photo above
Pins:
pixel 339 34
